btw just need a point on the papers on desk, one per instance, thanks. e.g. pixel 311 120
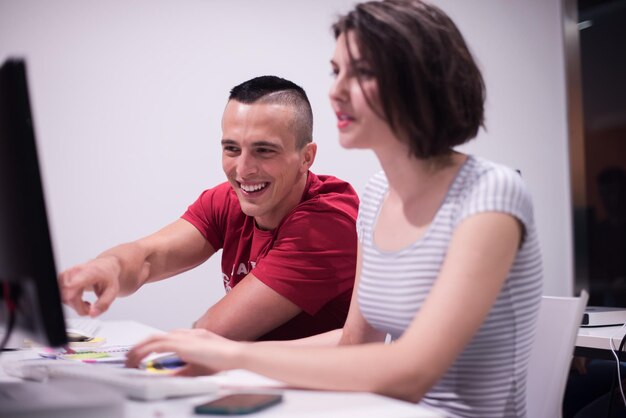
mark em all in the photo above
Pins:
pixel 110 354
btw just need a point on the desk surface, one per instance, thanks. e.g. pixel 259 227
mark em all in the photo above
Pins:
pixel 595 342
pixel 297 403
pixel 599 337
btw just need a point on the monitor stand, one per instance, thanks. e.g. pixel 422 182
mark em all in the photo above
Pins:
pixel 600 316
pixel 59 398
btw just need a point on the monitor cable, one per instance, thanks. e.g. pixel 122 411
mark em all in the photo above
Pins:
pixel 617 356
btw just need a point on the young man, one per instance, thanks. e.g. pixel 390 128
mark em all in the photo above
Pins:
pixel 288 236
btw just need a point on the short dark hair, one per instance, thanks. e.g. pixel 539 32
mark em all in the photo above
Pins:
pixel 272 89
pixel 430 88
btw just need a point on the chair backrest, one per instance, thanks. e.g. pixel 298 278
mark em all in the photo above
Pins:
pixel 551 354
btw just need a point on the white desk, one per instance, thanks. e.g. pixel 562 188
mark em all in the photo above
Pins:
pixel 599 337
pixel 296 403
pixel 596 342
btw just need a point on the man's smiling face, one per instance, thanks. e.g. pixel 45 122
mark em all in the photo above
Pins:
pixel 261 160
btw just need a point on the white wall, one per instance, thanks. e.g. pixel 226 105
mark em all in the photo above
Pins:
pixel 128 96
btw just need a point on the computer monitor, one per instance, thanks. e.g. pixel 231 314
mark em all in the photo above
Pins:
pixel 29 292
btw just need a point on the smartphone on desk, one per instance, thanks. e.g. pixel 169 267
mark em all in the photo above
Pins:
pixel 239 404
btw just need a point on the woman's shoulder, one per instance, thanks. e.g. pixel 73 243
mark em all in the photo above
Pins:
pixel 494 177
pixel 482 166
pixel 376 187
pixel 377 180
pixel 486 185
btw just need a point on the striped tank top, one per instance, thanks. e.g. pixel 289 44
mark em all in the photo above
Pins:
pixel 488 379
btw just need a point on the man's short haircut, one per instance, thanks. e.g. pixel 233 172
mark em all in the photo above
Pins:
pixel 430 90
pixel 276 90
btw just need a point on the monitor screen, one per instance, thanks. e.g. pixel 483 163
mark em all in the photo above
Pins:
pixel 29 293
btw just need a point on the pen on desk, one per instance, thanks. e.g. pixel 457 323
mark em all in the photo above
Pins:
pixel 164 364
pixel 107 360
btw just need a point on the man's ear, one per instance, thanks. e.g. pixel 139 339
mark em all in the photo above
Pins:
pixel 308 155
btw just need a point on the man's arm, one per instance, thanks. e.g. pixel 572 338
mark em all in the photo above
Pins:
pixel 123 269
pixel 250 310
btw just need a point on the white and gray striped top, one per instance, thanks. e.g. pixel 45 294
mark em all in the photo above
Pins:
pixel 488 379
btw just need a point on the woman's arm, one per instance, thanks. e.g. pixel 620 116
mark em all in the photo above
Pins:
pixel 479 257
pixel 326 339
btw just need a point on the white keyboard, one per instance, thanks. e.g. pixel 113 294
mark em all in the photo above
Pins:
pixel 133 383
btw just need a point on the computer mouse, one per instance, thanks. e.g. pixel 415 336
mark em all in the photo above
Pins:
pixel 161 362
pixel 77 336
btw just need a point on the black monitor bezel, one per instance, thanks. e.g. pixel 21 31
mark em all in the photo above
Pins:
pixel 26 254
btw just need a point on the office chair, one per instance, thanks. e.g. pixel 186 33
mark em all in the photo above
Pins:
pixel 551 354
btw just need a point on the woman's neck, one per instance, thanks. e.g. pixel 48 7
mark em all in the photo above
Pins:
pixel 411 178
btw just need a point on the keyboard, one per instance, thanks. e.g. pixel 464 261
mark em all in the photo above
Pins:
pixel 133 383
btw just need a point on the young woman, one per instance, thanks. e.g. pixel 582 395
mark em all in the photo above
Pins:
pixel 449 263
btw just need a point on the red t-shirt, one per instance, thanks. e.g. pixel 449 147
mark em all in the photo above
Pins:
pixel 309 258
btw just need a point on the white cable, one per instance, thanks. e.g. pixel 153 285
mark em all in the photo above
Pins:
pixel 613 350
